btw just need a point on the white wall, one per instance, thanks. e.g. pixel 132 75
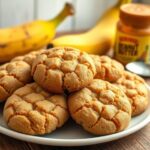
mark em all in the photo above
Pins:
pixel 87 12
pixel 14 12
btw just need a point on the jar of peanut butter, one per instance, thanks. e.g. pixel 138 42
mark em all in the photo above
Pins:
pixel 133 34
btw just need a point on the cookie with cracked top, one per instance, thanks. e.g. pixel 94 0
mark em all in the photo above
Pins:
pixel 13 76
pixel 135 89
pixel 100 108
pixel 63 69
pixel 107 68
pixel 28 58
pixel 16 74
pixel 33 111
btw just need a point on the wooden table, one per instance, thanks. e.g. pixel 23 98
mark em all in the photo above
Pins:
pixel 137 141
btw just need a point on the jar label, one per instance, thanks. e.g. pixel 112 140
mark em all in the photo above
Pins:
pixel 132 48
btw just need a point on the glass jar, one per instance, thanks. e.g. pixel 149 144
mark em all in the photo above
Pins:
pixel 133 34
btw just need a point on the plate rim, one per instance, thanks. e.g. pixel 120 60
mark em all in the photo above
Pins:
pixel 76 142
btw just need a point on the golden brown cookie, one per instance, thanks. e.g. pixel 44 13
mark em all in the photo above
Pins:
pixel 16 74
pixel 13 76
pixel 63 69
pixel 136 91
pixel 107 69
pixel 31 110
pixel 101 108
pixel 28 58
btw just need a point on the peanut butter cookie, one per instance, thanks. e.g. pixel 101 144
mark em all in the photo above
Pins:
pixel 13 75
pixel 107 69
pixel 136 91
pixel 63 69
pixel 100 108
pixel 16 74
pixel 28 58
pixel 31 110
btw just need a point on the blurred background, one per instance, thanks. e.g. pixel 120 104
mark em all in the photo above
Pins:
pixel 14 12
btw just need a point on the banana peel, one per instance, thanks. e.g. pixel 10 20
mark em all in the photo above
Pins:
pixel 97 40
pixel 22 39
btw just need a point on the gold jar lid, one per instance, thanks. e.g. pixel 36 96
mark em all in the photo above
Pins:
pixel 136 15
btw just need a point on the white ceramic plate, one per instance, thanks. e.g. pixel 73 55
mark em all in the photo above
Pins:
pixel 73 135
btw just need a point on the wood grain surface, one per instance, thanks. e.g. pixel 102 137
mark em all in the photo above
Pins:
pixel 136 141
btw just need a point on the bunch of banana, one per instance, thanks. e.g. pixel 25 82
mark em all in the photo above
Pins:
pixel 99 39
pixel 31 36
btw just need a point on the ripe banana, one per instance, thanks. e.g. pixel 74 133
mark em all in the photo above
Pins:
pixel 99 39
pixel 31 36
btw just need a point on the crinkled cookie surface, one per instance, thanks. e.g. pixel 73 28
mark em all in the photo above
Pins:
pixel 135 89
pixel 100 108
pixel 13 76
pixel 107 69
pixel 28 58
pixel 16 74
pixel 31 110
pixel 61 69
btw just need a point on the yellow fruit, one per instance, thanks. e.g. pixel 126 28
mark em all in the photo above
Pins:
pixel 31 36
pixel 99 39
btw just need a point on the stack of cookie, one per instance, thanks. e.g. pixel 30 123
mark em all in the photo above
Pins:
pixel 42 89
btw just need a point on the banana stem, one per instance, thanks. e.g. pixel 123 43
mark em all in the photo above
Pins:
pixel 67 11
pixel 121 2
pixel 107 15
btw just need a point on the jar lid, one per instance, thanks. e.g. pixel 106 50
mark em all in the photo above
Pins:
pixel 137 15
